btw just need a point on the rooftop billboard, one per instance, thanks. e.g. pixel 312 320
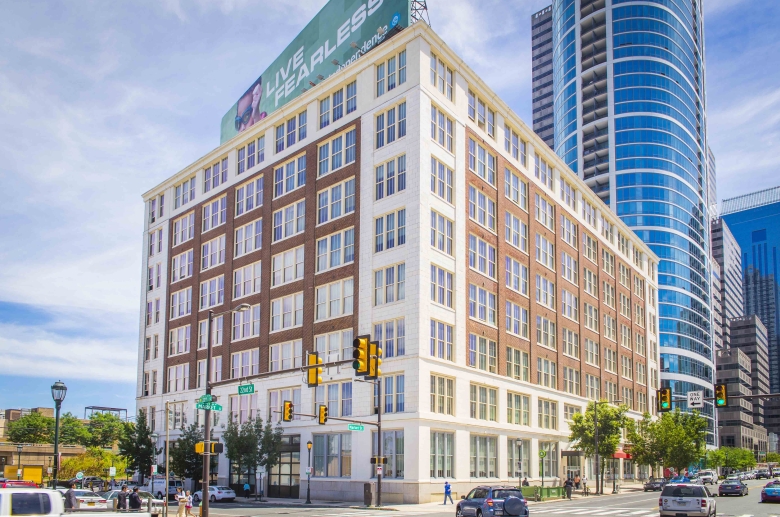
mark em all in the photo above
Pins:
pixel 328 37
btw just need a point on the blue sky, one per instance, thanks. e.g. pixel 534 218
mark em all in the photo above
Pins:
pixel 100 101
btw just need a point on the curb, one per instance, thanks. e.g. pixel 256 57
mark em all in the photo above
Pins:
pixel 383 508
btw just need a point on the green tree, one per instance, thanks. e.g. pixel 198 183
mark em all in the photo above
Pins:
pixel 73 431
pixel 681 438
pixel 269 452
pixel 714 459
pixel 136 446
pixel 32 428
pixel 644 446
pixel 105 429
pixel 241 442
pixel 611 421
pixel 773 457
pixel 185 462
pixel 94 462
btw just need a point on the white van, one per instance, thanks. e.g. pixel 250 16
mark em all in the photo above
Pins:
pixel 159 487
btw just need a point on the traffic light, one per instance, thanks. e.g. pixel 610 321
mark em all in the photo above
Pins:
pixel 664 399
pixel 322 414
pixel 360 354
pixel 314 375
pixel 379 460
pixel 200 447
pixel 287 411
pixel 374 360
pixel 721 396
pixel 216 447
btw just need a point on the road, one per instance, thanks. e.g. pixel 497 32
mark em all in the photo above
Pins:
pixel 631 504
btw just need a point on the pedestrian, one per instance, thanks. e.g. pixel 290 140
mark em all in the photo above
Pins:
pixel 71 502
pixel 121 499
pixel 569 485
pixel 181 499
pixel 188 505
pixel 584 483
pixel 246 490
pixel 135 500
pixel 447 492
pixel 577 481
pixel 525 482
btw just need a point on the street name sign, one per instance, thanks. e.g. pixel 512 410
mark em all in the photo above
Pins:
pixel 246 389
pixel 213 406
pixel 355 427
pixel 112 471
pixel 695 399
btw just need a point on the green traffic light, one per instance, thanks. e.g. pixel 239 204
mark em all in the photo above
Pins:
pixel 665 404
pixel 721 402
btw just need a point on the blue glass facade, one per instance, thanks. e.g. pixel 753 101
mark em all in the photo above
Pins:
pixel 641 129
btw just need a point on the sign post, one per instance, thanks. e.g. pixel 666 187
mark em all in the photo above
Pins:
pixel 542 454
pixel 695 399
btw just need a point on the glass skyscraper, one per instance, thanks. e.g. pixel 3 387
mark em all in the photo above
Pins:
pixel 630 119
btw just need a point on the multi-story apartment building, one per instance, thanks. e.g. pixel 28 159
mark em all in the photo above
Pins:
pixel 736 427
pixel 418 208
pixel 630 119
pixel 542 74
pixel 752 219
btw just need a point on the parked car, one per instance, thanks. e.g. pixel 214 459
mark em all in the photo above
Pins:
pixel 708 477
pixel 216 493
pixel 733 487
pixel 686 500
pixel 763 474
pixel 17 483
pixel 656 484
pixel 87 482
pixel 157 504
pixel 734 477
pixel 771 492
pixel 86 498
pixel 487 501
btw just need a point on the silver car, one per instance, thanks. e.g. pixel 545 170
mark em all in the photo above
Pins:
pixel 157 504
pixel 686 500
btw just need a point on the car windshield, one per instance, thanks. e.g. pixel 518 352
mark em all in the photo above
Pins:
pixel 145 494
pixel 503 494
pixel 682 491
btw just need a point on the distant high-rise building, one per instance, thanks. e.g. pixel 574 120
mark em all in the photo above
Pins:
pixel 630 119
pixel 753 220
pixel 718 321
pixel 542 73
pixel 736 426
pixel 728 256
pixel 712 184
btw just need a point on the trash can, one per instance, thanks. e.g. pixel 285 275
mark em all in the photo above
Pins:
pixel 367 497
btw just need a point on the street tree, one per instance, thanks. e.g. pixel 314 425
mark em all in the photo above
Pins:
pixel 241 443
pixel 32 428
pixel 94 462
pixel 136 446
pixel 269 450
pixel 773 457
pixel 715 458
pixel 611 421
pixel 681 438
pixel 105 429
pixel 644 446
pixel 184 461
pixel 73 431
pixel 737 458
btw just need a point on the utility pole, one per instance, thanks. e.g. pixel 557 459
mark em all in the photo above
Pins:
pixel 379 442
pixel 204 505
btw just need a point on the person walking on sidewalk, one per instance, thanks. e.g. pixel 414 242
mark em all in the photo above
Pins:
pixel 577 481
pixel 188 506
pixel 569 485
pixel 447 492
pixel 121 499
pixel 246 490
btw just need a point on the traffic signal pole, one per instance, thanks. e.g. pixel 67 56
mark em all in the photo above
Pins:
pixel 379 441
pixel 204 500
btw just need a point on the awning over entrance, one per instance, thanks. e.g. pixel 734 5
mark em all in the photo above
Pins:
pixel 622 455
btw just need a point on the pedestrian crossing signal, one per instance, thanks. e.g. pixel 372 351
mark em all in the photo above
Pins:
pixel 664 400
pixel 322 414
pixel 216 447
pixel 379 460
pixel 314 375
pixel 721 396
pixel 287 411
pixel 360 354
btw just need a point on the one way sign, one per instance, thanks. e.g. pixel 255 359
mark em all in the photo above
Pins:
pixel 695 399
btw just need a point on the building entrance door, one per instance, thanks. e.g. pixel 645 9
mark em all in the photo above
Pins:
pixel 285 478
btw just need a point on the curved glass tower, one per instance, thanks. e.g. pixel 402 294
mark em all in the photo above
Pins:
pixel 630 119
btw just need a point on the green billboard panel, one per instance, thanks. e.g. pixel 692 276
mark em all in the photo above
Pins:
pixel 340 33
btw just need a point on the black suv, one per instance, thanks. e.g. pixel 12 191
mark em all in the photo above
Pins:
pixel 492 501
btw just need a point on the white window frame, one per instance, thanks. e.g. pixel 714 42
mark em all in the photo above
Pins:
pixel 389 292
pixel 214 213
pixel 212 253
pixel 289 176
pixel 246 280
pixel 330 210
pixel 287 266
pixel 328 160
pixel 291 221
pixel 390 178
pixel 327 250
pixel 328 306
pixel 286 312
pixel 212 293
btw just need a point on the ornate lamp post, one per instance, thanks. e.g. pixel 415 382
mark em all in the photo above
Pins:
pixel 308 475
pixel 19 461
pixel 58 392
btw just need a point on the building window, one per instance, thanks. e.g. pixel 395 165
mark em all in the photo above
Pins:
pixel 285 356
pixel 441 286
pixel 336 250
pixel 518 409
pixel 338 105
pixel 246 280
pixel 389 284
pixel 592 387
pixel 611 391
pixel 569 268
pixel 181 266
pixel 336 153
pixel 179 340
pixel 244 364
pixel 483 456
pixel 570 307
pixel 516 232
pixel 568 231
pixel 335 345
pixel 251 154
pixel 549 463
pixel 216 332
pixel 625 336
pixel 442 77
pixel 442 395
pixel 184 229
pixel 333 455
pixel 548 414
pixel 545 212
pixel 178 378
pixel 482 305
pixel 610 360
pixel 276 400
pixel 571 343
pixel 442 128
pixel 545 333
pixel 543 171
pixel 514 145
pixel 442 454
pixel 390 230
pixel 516 276
pixel 482 163
pixel 610 330
pixel 546 373
pixel 215 175
pixel 518 458
pixel 391 335
pixel 627 367
pixel 336 201
pixel 393 450
pixel 482 209
pixel 289 220
pixel 181 303
pixel 396 73
pixel 184 193
pixel 545 292
pixel 571 380
pixel 589 247
pixel 390 178
pixel 287 312
pixel 334 300
pixel 517 364
pixel 515 189
pixel 608 263
pixel 339 398
pixel 393 400
pixel 290 176
pixel 212 253
pixel 441 180
pixel 591 352
pixel 214 213
pixel 590 283
pixel 483 353
pixel 516 320
pixel 249 238
pixel 287 267
pixel 441 233
pixel 483 402
pixel 545 252
pixel 441 340
pixel 155 242
pixel 569 411
pixel 482 256
pixel 246 324
pixel 212 292
pixel 391 125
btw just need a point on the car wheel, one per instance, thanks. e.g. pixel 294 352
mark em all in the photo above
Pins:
pixel 213 499
pixel 159 495
pixel 195 498
pixel 458 512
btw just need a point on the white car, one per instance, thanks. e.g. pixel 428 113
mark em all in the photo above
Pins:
pixel 686 500
pixel 86 498
pixel 216 493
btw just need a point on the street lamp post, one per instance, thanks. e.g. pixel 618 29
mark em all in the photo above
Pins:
pixel 19 461
pixel 58 391
pixel 207 412
pixel 154 437
pixel 614 476
pixel 519 463
pixel 308 475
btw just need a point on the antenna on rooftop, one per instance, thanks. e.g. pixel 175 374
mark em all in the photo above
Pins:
pixel 420 11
